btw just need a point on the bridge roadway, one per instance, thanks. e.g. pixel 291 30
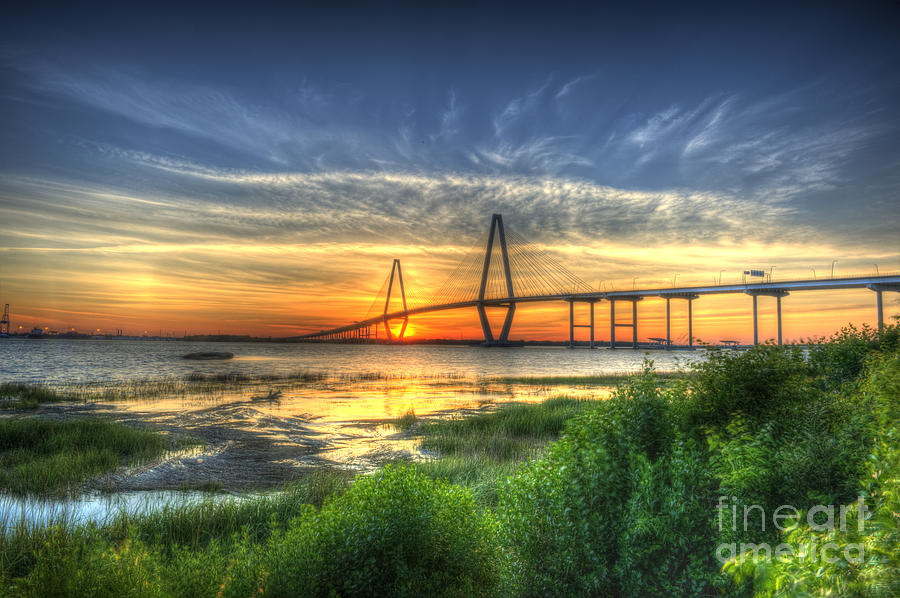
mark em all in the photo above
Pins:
pixel 878 284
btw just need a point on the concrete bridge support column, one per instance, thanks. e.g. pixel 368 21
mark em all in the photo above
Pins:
pixel 634 320
pixel 778 303
pixel 486 325
pixel 755 324
pixel 691 322
pixel 634 325
pixel 387 331
pixel 571 324
pixel 880 309
pixel 668 325
pixel 592 325
pixel 778 294
pixel 507 323
pixel 879 289
pixel 612 323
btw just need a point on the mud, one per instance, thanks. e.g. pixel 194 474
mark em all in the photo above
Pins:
pixel 261 437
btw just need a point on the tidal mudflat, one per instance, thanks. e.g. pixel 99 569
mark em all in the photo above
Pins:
pixel 252 433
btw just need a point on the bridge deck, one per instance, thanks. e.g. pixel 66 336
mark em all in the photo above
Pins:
pixel 886 283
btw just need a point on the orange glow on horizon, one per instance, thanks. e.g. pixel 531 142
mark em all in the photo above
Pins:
pixel 290 292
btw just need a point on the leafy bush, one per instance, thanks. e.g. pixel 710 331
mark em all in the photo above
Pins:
pixel 842 359
pixel 866 562
pixel 763 384
pixel 621 505
pixel 396 533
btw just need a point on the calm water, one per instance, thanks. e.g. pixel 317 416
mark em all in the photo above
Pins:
pixel 340 413
pixel 68 361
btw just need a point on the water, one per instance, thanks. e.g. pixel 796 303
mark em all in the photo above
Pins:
pixel 337 420
pixel 70 361
pixel 97 508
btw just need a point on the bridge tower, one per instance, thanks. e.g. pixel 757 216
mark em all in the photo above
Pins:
pixel 395 269
pixel 4 321
pixel 496 228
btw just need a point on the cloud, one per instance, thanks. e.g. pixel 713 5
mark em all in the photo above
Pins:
pixel 570 86
pixel 377 162
pixel 229 206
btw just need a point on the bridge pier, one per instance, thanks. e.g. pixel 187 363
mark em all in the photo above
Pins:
pixel 668 327
pixel 634 324
pixel 486 325
pixel 879 289
pixel 634 320
pixel 778 303
pixel 690 299
pixel 879 308
pixel 573 325
pixel 509 300
pixel 612 323
pixel 778 294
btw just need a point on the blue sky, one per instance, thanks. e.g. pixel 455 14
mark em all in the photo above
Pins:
pixel 161 130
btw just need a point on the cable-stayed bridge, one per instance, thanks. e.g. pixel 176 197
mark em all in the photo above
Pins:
pixel 510 270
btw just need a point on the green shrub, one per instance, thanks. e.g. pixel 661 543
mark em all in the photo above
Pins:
pixel 396 533
pixel 763 384
pixel 875 571
pixel 621 505
pixel 842 359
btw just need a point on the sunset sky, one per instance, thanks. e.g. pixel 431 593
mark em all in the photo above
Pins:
pixel 256 172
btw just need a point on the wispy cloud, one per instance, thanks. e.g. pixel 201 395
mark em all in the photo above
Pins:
pixel 410 207
pixel 570 86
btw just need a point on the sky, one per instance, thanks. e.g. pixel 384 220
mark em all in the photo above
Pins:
pixel 256 170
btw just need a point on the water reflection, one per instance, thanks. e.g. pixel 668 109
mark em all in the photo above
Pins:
pixel 275 411
pixel 68 361
pixel 97 508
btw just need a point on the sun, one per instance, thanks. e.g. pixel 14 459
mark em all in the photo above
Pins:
pixel 396 326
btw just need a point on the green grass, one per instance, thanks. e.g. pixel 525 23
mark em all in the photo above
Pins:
pixel 197 524
pixel 481 474
pixel 643 468
pixel 204 530
pixel 509 432
pixel 15 395
pixel 406 421
pixel 43 456
pixel 594 380
pixel 29 396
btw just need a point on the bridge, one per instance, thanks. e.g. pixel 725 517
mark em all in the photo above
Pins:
pixel 513 270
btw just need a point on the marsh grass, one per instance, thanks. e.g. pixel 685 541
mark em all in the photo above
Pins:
pixel 195 384
pixel 184 539
pixel 594 380
pixel 43 456
pixel 509 432
pixel 197 524
pixel 16 395
pixel 481 474
pixel 21 539
pixel 406 421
